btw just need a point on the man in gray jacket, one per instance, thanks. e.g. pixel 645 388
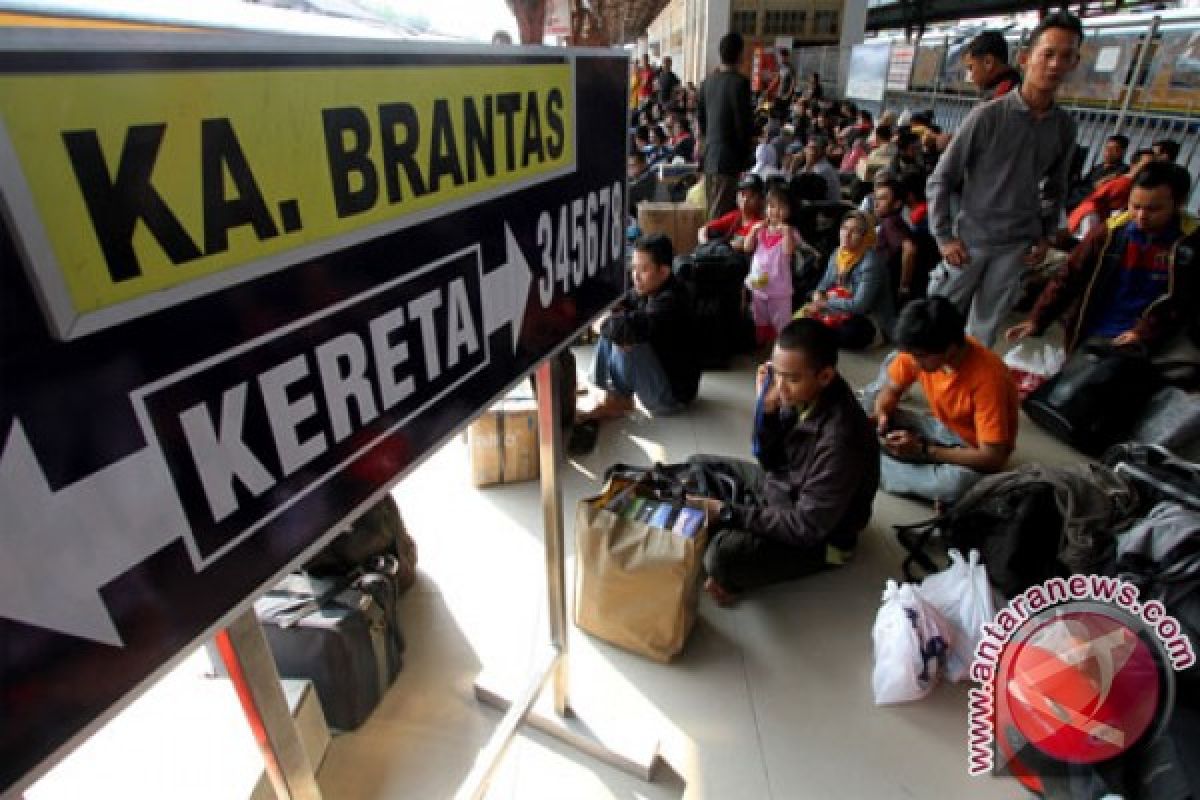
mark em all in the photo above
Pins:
pixel 1008 164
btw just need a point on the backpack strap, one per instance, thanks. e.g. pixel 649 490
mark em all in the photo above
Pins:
pixel 915 538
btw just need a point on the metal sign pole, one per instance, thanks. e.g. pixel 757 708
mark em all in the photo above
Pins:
pixel 244 651
pixel 523 709
pixel 550 447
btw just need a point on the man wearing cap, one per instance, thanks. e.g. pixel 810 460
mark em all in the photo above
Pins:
pixel 737 223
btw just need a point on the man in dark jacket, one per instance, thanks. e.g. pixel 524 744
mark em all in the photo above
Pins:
pixel 986 61
pixel 1133 281
pixel 815 478
pixel 646 347
pixel 725 110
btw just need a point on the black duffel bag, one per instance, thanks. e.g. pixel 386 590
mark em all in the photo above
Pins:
pixel 1095 400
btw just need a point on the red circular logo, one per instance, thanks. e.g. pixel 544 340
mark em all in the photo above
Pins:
pixel 1082 687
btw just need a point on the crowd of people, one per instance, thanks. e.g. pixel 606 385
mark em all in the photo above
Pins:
pixel 936 234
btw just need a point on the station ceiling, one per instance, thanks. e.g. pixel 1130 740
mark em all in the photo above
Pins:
pixel 626 20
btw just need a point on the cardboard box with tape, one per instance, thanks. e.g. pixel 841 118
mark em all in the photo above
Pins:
pixel 679 221
pixel 503 443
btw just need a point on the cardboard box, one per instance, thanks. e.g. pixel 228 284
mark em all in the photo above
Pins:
pixel 503 443
pixel 679 221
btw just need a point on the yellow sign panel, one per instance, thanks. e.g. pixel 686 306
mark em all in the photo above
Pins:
pixel 145 182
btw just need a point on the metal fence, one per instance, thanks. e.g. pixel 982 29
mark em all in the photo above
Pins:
pixel 1142 126
pixel 1142 123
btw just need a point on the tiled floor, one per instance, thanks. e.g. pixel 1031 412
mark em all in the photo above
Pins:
pixel 771 699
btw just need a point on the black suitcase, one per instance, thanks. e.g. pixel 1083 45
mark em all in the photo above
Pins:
pixel 1093 402
pixel 713 276
pixel 341 634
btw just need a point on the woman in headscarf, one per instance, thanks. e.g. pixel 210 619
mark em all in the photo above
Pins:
pixel 854 288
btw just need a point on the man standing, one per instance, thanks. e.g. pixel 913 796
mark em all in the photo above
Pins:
pixel 1137 274
pixel 725 110
pixel 815 478
pixel 668 82
pixel 1008 163
pixel 986 61
pixel 645 81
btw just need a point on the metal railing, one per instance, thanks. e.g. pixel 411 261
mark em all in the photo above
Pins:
pixel 1128 110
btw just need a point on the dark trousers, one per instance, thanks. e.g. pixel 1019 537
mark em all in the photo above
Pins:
pixel 739 560
pixel 856 333
pixel 721 192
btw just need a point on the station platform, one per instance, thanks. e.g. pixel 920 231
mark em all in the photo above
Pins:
pixel 770 699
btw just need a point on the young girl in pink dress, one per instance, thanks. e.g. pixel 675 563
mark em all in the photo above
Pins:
pixel 773 242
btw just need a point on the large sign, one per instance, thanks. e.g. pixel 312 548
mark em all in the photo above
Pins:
pixel 868 73
pixel 244 290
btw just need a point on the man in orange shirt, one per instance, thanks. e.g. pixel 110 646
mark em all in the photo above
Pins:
pixel 973 427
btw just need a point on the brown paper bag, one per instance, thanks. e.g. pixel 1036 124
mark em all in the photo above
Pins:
pixel 636 585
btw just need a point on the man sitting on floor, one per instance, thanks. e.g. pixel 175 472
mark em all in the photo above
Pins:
pixel 751 201
pixel 816 476
pixel 973 428
pixel 1136 274
pixel 646 345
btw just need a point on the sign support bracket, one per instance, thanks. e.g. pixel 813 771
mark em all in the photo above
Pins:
pixel 529 707
pixel 244 651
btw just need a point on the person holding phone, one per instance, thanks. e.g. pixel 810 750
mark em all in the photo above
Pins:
pixel 973 428
pixel 813 479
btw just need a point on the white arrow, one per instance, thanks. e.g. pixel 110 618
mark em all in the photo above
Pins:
pixel 506 290
pixel 59 548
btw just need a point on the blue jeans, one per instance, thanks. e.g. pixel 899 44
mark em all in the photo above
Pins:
pixel 944 482
pixel 634 371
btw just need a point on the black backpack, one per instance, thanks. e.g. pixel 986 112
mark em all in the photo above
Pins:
pixel 375 539
pixel 709 478
pixel 1029 524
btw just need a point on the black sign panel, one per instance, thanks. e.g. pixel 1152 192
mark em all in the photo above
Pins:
pixel 228 324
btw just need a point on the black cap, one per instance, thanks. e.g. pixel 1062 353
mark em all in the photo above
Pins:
pixel 751 181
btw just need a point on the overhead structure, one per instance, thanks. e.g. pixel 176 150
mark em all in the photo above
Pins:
pixel 626 20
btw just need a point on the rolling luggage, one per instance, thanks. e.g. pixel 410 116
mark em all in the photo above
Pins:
pixel 342 634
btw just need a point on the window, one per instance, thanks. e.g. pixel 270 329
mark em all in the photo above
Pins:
pixel 745 22
pixel 784 22
pixel 825 22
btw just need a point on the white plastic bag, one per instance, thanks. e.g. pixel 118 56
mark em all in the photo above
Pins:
pixel 1032 363
pixel 963 597
pixel 1036 358
pixel 910 644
